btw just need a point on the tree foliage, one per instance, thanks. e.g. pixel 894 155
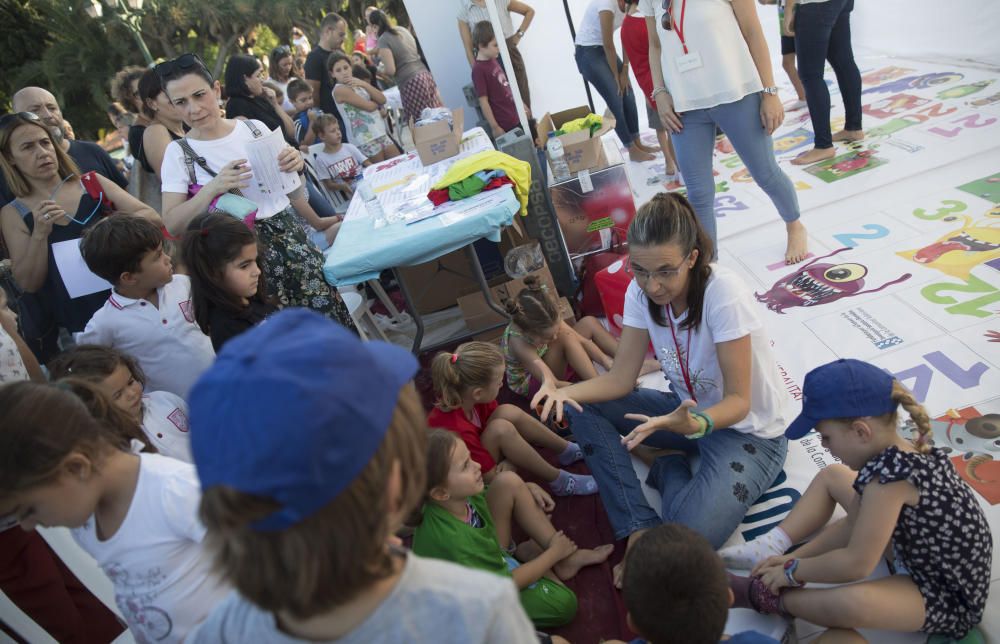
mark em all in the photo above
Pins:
pixel 54 44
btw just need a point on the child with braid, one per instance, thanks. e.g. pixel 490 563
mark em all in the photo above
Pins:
pixel 905 494
pixel 498 436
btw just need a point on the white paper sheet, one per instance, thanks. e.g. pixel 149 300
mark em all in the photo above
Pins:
pixel 269 185
pixel 77 278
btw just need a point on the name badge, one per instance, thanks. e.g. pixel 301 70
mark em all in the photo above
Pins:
pixel 687 62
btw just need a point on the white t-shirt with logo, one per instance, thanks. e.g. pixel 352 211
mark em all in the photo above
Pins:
pixel 726 73
pixel 164 585
pixel 589 33
pixel 729 313
pixel 165 423
pixel 346 164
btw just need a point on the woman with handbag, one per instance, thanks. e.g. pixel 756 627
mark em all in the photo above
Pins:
pixel 53 203
pixel 209 174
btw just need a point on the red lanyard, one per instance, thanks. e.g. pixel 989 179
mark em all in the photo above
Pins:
pixel 685 364
pixel 679 28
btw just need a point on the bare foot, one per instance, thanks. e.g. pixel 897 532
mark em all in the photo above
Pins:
pixel 568 567
pixel 652 149
pixel 674 184
pixel 798 242
pixel 638 155
pixel 649 366
pixel 724 146
pixel 849 135
pixel 814 156
pixel 648 455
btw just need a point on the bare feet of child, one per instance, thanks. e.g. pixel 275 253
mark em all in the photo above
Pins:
pixel 849 135
pixel 638 155
pixel 798 242
pixel 648 455
pixel 652 149
pixel 649 366
pixel 814 156
pixel 568 567
pixel 723 145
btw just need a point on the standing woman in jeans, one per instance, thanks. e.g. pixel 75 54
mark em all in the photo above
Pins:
pixel 822 31
pixel 600 66
pixel 711 68
pixel 728 407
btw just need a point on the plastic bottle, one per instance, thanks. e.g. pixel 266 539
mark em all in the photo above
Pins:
pixel 557 158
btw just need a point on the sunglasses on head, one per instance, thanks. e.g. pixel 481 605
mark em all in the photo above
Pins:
pixel 179 66
pixel 281 50
pixel 7 119
pixel 665 19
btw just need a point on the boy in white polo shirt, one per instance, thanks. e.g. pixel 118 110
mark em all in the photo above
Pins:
pixel 148 313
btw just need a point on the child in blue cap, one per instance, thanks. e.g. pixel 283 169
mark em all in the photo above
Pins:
pixel 309 445
pixel 906 494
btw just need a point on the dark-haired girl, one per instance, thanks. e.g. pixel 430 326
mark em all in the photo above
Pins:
pixel 294 265
pixel 228 291
pixel 726 400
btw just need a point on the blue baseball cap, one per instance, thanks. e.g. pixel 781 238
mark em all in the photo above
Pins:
pixel 846 388
pixel 293 410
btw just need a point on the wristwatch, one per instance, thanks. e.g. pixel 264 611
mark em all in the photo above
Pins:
pixel 519 33
pixel 790 567
pixel 773 91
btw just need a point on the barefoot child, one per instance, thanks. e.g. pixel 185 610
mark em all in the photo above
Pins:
pixel 359 104
pixel 538 344
pixel 498 436
pixel 907 495
pixel 466 523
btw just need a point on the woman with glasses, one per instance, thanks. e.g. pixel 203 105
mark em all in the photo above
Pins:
pixel 52 206
pixel 280 69
pixel 294 266
pixel 726 400
pixel 711 68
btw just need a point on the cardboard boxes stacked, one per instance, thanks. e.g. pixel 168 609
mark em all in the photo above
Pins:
pixel 437 141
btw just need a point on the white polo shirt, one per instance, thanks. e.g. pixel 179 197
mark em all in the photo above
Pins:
pixel 169 346
pixel 165 423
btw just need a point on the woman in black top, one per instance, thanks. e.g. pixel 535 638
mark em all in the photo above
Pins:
pixel 248 98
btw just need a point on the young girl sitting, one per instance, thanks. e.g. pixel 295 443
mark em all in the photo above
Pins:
pixel 162 415
pixel 499 437
pixel 465 523
pixel 359 104
pixel 905 494
pixel 135 514
pixel 538 343
pixel 228 290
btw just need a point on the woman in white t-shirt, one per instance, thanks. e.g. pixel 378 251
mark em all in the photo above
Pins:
pixel 726 403
pixel 598 62
pixel 294 266
pixel 711 68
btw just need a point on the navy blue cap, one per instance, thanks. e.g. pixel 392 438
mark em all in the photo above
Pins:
pixel 846 388
pixel 293 410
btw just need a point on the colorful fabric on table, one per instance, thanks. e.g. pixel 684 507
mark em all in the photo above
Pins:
pixel 590 122
pixel 438 197
pixel 518 171
pixel 467 187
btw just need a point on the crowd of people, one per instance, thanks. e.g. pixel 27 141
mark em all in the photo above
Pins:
pixel 248 481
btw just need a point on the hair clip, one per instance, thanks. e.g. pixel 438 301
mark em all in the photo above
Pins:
pixel 203 232
pixel 454 358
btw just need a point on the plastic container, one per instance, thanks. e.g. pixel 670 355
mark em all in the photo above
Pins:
pixel 557 158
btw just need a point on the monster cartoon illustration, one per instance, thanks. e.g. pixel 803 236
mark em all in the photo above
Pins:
pixel 852 162
pixel 957 252
pixel 816 284
pixel 884 74
pixel 922 81
pixel 983 101
pixel 894 105
pixel 972 441
pixel 962 91
pixel 858 162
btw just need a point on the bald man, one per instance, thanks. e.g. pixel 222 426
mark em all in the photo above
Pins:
pixel 88 156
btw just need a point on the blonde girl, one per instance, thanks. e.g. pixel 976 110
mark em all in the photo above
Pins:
pixel 906 495
pixel 499 437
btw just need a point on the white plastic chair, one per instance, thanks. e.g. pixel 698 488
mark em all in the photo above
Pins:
pixel 362 315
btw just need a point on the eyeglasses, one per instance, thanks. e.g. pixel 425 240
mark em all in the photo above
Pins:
pixel 665 19
pixel 169 69
pixel 7 119
pixel 661 276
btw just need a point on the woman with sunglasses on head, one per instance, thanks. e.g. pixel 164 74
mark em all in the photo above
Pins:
pixel 282 62
pixel 726 398
pixel 51 205
pixel 711 68
pixel 293 265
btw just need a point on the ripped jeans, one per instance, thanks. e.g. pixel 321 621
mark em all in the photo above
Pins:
pixel 733 470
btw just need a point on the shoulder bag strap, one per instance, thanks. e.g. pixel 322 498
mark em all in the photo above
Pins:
pixel 190 158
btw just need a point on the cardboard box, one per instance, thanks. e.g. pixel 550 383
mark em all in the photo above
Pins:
pixel 436 141
pixel 594 215
pixel 435 285
pixel 582 150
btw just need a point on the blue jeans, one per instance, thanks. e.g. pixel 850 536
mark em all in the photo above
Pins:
pixel 318 202
pixel 593 66
pixel 822 33
pixel 733 471
pixel 740 121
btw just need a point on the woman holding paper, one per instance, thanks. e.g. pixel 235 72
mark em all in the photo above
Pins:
pixel 711 68
pixel 38 222
pixel 221 165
